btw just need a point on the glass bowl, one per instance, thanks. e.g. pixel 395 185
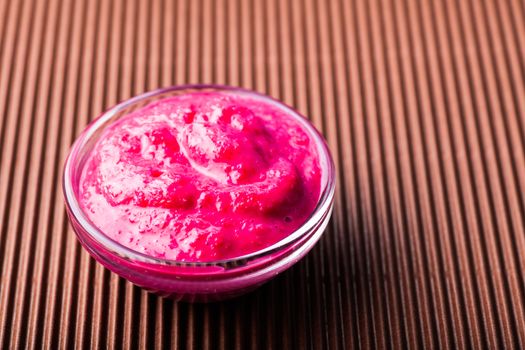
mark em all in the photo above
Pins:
pixel 193 281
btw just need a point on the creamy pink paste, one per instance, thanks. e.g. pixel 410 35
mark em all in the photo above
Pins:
pixel 201 177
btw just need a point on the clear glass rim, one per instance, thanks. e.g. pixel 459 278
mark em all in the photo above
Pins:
pixel 323 206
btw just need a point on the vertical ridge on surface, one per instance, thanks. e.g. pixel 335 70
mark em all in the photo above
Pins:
pixel 474 215
pixel 10 32
pixel 13 181
pixel 394 174
pixel 48 184
pixel 30 191
pixel 489 174
pixel 441 139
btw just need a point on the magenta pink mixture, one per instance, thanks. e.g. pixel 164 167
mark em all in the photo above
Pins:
pixel 203 176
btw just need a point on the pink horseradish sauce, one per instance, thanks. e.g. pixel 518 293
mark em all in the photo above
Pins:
pixel 203 176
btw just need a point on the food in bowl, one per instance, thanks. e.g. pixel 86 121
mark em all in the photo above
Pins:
pixel 199 183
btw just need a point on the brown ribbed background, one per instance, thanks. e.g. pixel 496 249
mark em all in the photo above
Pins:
pixel 422 104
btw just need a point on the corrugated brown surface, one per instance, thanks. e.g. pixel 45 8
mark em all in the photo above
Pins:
pixel 422 103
